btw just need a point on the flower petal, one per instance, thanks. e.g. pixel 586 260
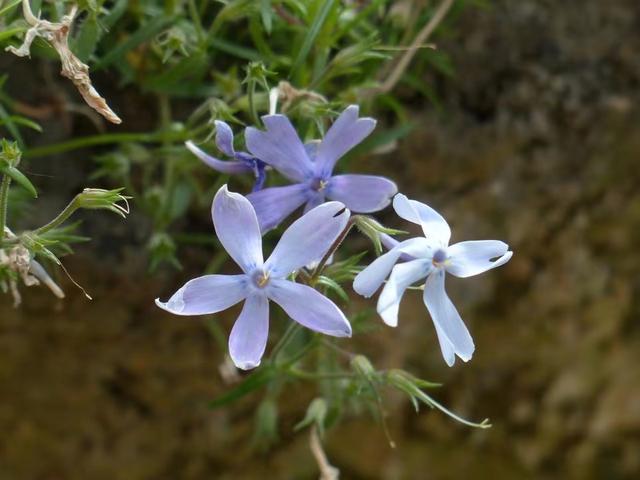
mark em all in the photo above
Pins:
pixel 230 167
pixel 448 352
pixel 473 257
pixel 224 138
pixel 309 307
pixel 206 294
pixel 315 199
pixel 402 276
pixel 369 280
pixel 249 334
pixel 274 204
pixel 346 132
pixel 237 228
pixel 308 238
pixel 433 224
pixel 280 147
pixel 444 314
pixel 362 193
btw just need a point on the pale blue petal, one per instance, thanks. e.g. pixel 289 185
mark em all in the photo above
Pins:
pixel 362 193
pixel 309 307
pixel 372 277
pixel 280 147
pixel 237 228
pixel 315 199
pixel 274 204
pixel 346 132
pixel 224 138
pixel 308 238
pixel 312 149
pixel 402 276
pixel 249 334
pixel 444 314
pixel 207 294
pixel 473 257
pixel 230 167
pixel 433 225
pixel 448 352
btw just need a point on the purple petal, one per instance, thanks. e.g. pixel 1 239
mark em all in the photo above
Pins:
pixel 315 200
pixel 402 276
pixel 309 307
pixel 248 338
pixel 273 205
pixel 224 138
pixel 471 258
pixel 308 238
pixel 230 167
pixel 372 277
pixel 237 228
pixel 312 149
pixel 345 133
pixel 207 294
pixel 362 193
pixel 280 147
pixel 446 317
pixel 432 223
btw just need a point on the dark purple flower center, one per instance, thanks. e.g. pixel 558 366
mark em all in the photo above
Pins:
pixel 439 257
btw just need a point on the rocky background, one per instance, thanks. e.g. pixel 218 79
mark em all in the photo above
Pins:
pixel 536 142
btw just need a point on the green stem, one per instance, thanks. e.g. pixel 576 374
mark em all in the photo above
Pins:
pixel 336 244
pixel 61 218
pixel 4 200
pixel 304 375
pixel 292 329
pixel 252 102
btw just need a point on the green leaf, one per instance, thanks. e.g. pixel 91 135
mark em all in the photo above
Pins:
pixel 84 43
pixel 19 177
pixel 266 13
pixel 253 382
pixel 334 286
pixel 312 33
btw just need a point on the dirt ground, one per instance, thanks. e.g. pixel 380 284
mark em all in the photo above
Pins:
pixel 536 143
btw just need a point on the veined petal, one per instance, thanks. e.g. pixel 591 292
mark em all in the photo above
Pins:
pixel 444 314
pixel 308 238
pixel 432 223
pixel 249 334
pixel 274 204
pixel 207 294
pixel 473 257
pixel 362 193
pixel 280 147
pixel 369 280
pixel 312 149
pixel 230 167
pixel 346 132
pixel 237 228
pixel 402 276
pixel 309 307
pixel 224 138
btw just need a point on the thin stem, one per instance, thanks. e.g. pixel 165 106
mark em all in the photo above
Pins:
pixel 289 333
pixel 252 102
pixel 336 244
pixel 61 218
pixel 421 38
pixel 304 375
pixel 4 200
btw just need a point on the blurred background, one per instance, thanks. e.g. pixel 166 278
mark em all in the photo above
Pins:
pixel 524 127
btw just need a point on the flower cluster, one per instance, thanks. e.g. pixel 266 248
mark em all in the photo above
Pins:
pixel 328 200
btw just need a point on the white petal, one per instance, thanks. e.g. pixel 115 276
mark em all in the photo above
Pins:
pixel 248 338
pixel 369 280
pixel 402 276
pixel 444 314
pixel 237 228
pixel 448 352
pixel 433 224
pixel 471 258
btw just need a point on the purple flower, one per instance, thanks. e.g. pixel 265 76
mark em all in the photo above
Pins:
pixel 306 240
pixel 242 163
pixel 429 258
pixel 311 166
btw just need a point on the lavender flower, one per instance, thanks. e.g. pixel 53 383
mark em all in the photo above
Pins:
pixel 306 240
pixel 242 163
pixel 429 258
pixel 311 168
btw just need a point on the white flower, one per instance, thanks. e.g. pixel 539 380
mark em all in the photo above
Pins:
pixel 430 257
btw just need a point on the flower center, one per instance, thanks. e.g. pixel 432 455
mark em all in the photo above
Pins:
pixel 260 278
pixel 439 258
pixel 318 184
